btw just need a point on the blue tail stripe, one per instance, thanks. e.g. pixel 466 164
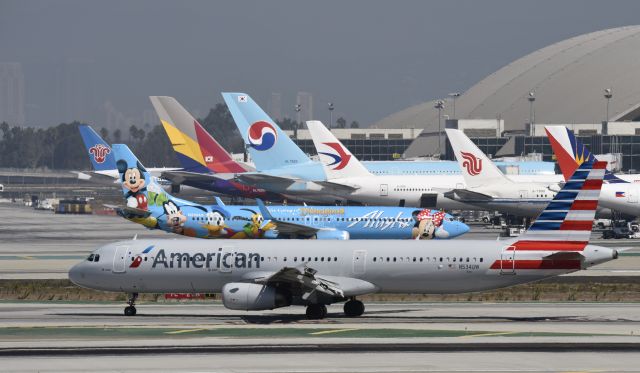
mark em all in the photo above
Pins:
pixel 565 195
pixel 552 215
pixel 190 165
pixel 545 226
pixel 559 205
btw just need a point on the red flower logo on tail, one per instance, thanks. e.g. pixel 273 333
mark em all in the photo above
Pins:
pixel 472 163
pixel 99 152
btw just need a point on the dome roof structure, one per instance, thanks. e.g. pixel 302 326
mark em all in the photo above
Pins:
pixel 568 79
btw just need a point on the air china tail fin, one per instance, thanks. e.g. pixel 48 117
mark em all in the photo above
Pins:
pixel 336 159
pixel 100 153
pixel 570 152
pixel 270 147
pixel 477 169
pixel 196 150
pixel 568 218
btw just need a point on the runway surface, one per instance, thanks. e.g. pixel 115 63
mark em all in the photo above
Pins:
pixel 391 337
pixel 41 244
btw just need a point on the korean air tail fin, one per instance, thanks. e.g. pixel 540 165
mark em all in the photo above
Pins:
pixel 570 152
pixel 477 169
pixel 336 159
pixel 270 147
pixel 100 153
pixel 566 222
pixel 195 148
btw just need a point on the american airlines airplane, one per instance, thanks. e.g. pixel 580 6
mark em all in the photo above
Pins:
pixel 149 205
pixel 618 193
pixel 265 274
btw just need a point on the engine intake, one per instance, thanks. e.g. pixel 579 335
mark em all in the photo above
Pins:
pixel 254 297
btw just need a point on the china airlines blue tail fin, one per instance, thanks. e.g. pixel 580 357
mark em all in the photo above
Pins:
pixel 100 153
pixel 336 159
pixel 570 152
pixel 269 146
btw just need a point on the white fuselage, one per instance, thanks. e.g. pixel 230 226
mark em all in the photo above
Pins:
pixel 392 190
pixel 170 265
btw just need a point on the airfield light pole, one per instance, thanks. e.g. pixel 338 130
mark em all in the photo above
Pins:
pixel 454 96
pixel 532 115
pixel 608 94
pixel 331 115
pixel 439 105
pixel 295 126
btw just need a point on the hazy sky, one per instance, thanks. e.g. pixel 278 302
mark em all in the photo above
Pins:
pixel 371 58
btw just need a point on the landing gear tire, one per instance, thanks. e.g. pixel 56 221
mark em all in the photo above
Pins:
pixel 131 309
pixel 316 311
pixel 353 308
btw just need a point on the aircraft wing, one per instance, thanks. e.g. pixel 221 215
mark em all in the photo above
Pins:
pixel 257 179
pixel 336 187
pixel 285 226
pixel 180 177
pixel 466 195
pixel 129 212
pixel 305 281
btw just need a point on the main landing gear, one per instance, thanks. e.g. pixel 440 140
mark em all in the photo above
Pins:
pixel 316 311
pixel 131 309
pixel 353 308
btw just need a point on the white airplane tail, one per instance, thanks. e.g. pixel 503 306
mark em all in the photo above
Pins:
pixel 477 169
pixel 336 159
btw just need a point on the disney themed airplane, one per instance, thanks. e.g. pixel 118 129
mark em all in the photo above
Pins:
pixel 617 193
pixel 266 274
pixel 148 204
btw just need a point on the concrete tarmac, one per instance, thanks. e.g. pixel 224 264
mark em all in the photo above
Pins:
pixel 390 337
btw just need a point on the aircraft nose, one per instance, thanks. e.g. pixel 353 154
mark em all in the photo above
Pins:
pixel 77 274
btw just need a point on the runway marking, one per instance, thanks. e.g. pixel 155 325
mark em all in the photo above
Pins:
pixel 332 331
pixel 185 331
pixel 28 257
pixel 487 334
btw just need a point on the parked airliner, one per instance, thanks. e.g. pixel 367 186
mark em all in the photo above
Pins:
pixel 267 274
pixel 617 194
pixel 148 204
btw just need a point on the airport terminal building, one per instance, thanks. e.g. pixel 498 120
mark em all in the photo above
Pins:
pixel 590 83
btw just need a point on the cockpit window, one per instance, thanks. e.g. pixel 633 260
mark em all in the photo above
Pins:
pixel 90 258
pixel 96 258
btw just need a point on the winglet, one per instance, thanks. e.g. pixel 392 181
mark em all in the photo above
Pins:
pixel 219 202
pixel 337 161
pixel 264 210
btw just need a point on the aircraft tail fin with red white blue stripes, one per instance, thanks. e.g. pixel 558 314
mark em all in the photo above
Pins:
pixel 566 222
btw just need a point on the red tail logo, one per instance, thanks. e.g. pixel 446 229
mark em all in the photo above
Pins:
pixel 99 152
pixel 472 163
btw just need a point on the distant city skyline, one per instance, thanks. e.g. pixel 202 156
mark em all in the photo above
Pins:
pixel 99 61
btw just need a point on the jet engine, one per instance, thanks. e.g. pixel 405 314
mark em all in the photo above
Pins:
pixel 254 297
pixel 332 234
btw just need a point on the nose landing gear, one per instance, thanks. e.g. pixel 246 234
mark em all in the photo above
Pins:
pixel 131 309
